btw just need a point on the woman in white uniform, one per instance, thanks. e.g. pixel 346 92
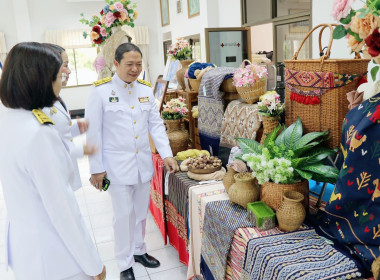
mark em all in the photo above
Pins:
pixel 66 127
pixel 46 235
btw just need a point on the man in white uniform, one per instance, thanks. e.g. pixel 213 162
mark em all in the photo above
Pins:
pixel 122 110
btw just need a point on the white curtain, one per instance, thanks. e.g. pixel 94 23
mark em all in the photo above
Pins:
pixel 69 39
pixel 140 37
pixel 3 48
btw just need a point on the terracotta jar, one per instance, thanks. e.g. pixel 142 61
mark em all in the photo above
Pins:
pixel 244 190
pixel 178 137
pixel 269 124
pixel 181 72
pixel 291 213
pixel 228 178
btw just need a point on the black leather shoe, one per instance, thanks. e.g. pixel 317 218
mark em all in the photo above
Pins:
pixel 147 260
pixel 127 274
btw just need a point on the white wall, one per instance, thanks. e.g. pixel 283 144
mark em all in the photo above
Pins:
pixel 321 14
pixel 258 33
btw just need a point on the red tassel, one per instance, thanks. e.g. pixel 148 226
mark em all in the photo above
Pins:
pixel 307 100
pixel 362 80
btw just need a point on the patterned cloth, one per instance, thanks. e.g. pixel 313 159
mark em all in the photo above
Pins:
pixel 212 80
pixel 210 122
pixel 353 215
pixel 296 255
pixel 240 120
pixel 156 205
pixel 176 212
pixel 221 220
pixel 198 193
pixel 197 66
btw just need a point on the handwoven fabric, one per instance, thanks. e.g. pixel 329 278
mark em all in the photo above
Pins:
pixel 176 212
pixel 296 255
pixel 157 206
pixel 196 193
pixel 240 120
pixel 318 79
pixel 212 80
pixel 210 122
pixel 353 214
pixel 221 220
pixel 197 66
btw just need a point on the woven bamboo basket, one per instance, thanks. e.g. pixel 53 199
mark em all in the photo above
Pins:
pixel 291 213
pixel 329 114
pixel 244 190
pixel 272 193
pixel 195 84
pixel 227 86
pixel 252 93
pixel 269 124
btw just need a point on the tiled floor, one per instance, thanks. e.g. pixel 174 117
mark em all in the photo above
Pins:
pixel 97 212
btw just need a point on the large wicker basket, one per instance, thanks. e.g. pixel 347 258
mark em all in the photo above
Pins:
pixel 252 93
pixel 329 114
pixel 272 193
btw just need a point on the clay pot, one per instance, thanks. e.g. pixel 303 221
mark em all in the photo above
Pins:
pixel 244 190
pixel 269 124
pixel 228 178
pixel 181 72
pixel 291 213
pixel 272 193
pixel 178 137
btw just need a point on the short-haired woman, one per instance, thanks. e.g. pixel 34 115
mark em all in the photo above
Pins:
pixel 66 127
pixel 46 235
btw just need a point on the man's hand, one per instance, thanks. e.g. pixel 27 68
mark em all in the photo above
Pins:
pixel 101 276
pixel 90 150
pixel 97 180
pixel 171 164
pixel 83 125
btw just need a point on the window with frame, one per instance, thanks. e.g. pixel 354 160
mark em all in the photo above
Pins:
pixel 81 65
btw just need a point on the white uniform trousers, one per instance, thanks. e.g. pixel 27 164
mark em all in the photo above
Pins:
pixel 80 276
pixel 130 206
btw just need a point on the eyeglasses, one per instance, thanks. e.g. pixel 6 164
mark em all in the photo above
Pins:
pixel 63 77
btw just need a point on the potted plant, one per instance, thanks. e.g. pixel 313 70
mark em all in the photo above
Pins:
pixel 270 109
pixel 181 50
pixel 250 81
pixel 110 19
pixel 287 161
pixel 172 113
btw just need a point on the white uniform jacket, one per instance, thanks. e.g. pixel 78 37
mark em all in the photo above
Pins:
pixel 67 129
pixel 47 238
pixel 120 116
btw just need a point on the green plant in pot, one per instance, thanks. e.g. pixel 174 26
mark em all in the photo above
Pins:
pixel 287 160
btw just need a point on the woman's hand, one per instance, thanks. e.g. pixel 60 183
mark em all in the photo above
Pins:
pixel 90 150
pixel 101 276
pixel 83 125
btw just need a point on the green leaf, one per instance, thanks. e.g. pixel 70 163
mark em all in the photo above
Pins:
pixel 363 12
pixel 272 136
pixel 292 134
pixel 308 138
pixel 356 36
pixel 280 138
pixel 324 173
pixel 319 153
pixel 304 174
pixel 374 71
pixel 339 32
pixel 300 151
pixel 297 162
pixel 347 19
pixel 249 146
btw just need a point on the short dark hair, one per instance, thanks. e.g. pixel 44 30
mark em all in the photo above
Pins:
pixel 55 47
pixel 28 75
pixel 124 48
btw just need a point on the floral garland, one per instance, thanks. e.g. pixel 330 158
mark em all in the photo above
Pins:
pixel 115 13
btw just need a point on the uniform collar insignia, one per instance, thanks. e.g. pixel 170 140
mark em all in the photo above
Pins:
pixel 113 92
pixel 41 117
pixel 53 111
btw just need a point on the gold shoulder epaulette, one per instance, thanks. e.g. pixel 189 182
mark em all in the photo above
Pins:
pixel 41 117
pixel 102 81
pixel 144 82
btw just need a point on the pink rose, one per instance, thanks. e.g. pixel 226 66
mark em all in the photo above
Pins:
pixel 103 32
pixel 341 9
pixel 118 6
pixel 108 21
pixel 99 63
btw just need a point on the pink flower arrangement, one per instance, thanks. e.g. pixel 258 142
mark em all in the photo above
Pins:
pixel 246 76
pixel 175 109
pixel 270 104
pixel 115 13
pixel 180 50
pixel 99 63
pixel 361 27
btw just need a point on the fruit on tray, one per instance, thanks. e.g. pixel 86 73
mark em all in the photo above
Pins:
pixel 191 153
pixel 204 162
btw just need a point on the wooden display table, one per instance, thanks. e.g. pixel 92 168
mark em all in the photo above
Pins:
pixel 191 99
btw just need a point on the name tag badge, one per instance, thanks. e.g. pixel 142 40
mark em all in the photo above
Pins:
pixel 143 99
pixel 114 99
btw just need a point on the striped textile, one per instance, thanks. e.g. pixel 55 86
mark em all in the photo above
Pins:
pixel 156 206
pixel 212 80
pixel 221 220
pixel 297 255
